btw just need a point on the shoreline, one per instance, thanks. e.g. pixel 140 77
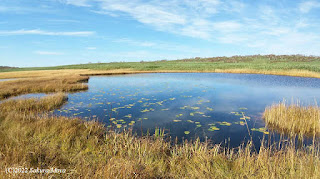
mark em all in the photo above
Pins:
pixel 89 72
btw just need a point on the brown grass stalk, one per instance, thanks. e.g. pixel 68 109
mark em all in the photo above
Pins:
pixel 294 118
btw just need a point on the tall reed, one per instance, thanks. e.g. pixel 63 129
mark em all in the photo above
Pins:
pixel 294 118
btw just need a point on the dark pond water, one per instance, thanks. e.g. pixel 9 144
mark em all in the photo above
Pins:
pixel 189 105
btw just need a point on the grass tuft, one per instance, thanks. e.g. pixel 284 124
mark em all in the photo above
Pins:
pixel 293 119
pixel 42 85
pixel 46 103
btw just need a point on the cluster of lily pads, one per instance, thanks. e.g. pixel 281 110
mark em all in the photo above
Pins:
pixel 118 116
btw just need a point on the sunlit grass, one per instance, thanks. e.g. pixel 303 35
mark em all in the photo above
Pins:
pixel 294 118
pixel 46 103
pixel 290 65
pixel 87 149
pixel 42 85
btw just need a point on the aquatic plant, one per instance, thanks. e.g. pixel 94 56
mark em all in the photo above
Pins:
pixel 261 129
pixel 213 128
pixel 224 123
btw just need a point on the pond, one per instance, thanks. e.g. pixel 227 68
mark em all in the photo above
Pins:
pixel 213 106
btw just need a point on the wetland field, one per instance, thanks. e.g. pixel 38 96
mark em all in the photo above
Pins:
pixel 254 117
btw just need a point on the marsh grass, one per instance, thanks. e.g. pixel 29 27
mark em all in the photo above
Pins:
pixel 293 119
pixel 292 65
pixel 42 85
pixel 43 104
pixel 88 150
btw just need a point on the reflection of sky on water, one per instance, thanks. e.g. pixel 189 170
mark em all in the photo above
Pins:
pixel 9 79
pixel 224 93
pixel 25 96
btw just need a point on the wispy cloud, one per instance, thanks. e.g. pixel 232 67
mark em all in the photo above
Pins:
pixel 162 45
pixel 50 33
pixel 63 21
pixel 227 26
pixel 193 27
pixel 263 26
pixel 47 53
pixel 157 15
pixel 305 7
pixel 175 16
pixel 77 2
pixel 17 9
pixel 91 48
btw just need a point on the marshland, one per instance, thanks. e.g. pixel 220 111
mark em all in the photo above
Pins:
pixel 228 117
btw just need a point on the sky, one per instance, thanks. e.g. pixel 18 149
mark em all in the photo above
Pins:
pixel 60 32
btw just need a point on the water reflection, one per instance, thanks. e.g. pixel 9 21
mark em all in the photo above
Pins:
pixel 189 105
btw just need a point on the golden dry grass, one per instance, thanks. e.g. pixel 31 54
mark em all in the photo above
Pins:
pixel 88 150
pixel 294 118
pixel 88 72
pixel 62 73
pixel 297 73
pixel 40 73
pixel 42 85
pixel 46 103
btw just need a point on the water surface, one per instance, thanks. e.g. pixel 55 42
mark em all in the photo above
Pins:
pixel 189 105
pixel 7 79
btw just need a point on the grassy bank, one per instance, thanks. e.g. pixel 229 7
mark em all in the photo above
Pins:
pixel 32 138
pixel 88 150
pixel 47 84
pixel 30 105
pixel 293 119
pixel 293 65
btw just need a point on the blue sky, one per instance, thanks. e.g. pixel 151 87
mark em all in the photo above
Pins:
pixel 58 32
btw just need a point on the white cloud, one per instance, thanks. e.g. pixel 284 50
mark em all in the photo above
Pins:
pixel 163 45
pixel 232 39
pixel 195 32
pixel 227 26
pixel 50 33
pixel 250 25
pixel 47 53
pixel 25 9
pixel 185 17
pixel 277 31
pixel 305 7
pixel 91 48
pixel 294 43
pixel 77 2
pixel 63 21
pixel 147 13
pixel 228 22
